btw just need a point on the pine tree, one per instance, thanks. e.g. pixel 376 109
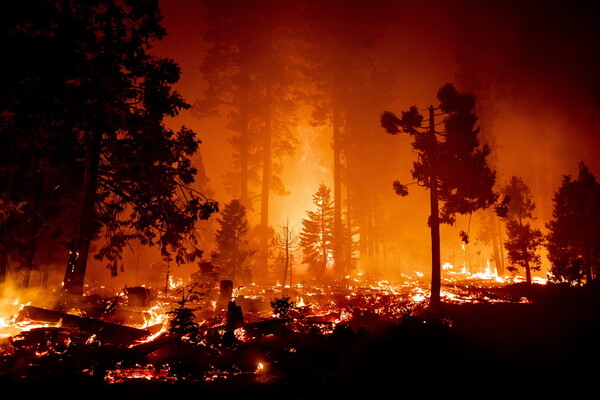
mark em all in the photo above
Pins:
pixel 522 241
pixel 249 71
pixel 316 238
pixel 232 244
pixel 451 165
pixel 94 103
pixel 285 242
pixel 573 241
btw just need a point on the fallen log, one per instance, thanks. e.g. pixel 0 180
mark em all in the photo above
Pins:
pixel 104 331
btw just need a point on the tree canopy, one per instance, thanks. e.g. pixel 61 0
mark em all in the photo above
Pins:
pixel 232 244
pixel 573 240
pixel 317 236
pixel 451 164
pixel 523 240
pixel 81 78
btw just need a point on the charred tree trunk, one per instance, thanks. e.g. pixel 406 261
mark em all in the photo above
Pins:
pixel 348 235
pixel 501 246
pixel 323 242
pixel 338 229
pixel 497 257
pixel 244 140
pixel 434 222
pixel 77 263
pixel 266 187
pixel 371 238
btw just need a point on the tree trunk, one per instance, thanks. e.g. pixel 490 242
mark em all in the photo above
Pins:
pixel 244 143
pixel 266 186
pixel 348 236
pixel 501 246
pixel 371 239
pixel 338 230
pixel 3 270
pixel 434 224
pixel 497 258
pixel 77 263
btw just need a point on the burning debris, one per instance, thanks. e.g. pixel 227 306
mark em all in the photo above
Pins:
pixel 188 336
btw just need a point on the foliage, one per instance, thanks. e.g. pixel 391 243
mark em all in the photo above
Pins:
pixel 464 179
pixel 522 241
pixel 573 240
pixel 316 237
pixel 522 246
pixel 183 321
pixel 86 101
pixel 282 306
pixel 249 70
pixel 232 245
pixel 451 164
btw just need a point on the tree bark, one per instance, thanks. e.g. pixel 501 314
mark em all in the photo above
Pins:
pixel 77 263
pixel 244 139
pixel 497 257
pixel 434 222
pixel 338 230
pixel 266 187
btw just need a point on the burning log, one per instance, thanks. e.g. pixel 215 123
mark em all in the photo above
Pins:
pixel 138 296
pixel 104 331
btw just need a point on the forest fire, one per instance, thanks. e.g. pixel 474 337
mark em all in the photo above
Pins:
pixel 32 337
pixel 303 197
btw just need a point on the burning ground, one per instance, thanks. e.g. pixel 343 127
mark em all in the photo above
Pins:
pixel 309 341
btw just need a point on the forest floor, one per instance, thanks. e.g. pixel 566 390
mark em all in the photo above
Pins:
pixel 549 345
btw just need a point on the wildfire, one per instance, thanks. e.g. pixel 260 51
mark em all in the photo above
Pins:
pixel 324 308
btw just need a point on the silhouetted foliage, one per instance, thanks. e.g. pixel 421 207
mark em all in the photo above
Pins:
pixel 573 240
pixel 464 179
pixel 316 238
pixel 451 164
pixel 523 241
pixel 98 99
pixel 232 245
pixel 286 243
pixel 282 306
pixel 183 322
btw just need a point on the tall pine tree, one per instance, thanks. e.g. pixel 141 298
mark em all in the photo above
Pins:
pixel 101 101
pixel 523 241
pixel 573 240
pixel 317 236
pixel 451 165
pixel 232 245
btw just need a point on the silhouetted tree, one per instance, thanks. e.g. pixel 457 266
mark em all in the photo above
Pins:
pixel 102 103
pixel 286 243
pixel 340 69
pixel 451 164
pixel 317 236
pixel 522 241
pixel 573 240
pixel 488 234
pixel 249 72
pixel 232 245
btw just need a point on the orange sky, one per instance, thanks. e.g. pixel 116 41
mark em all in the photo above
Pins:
pixel 532 67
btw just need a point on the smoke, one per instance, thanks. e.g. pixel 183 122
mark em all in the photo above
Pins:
pixel 531 65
